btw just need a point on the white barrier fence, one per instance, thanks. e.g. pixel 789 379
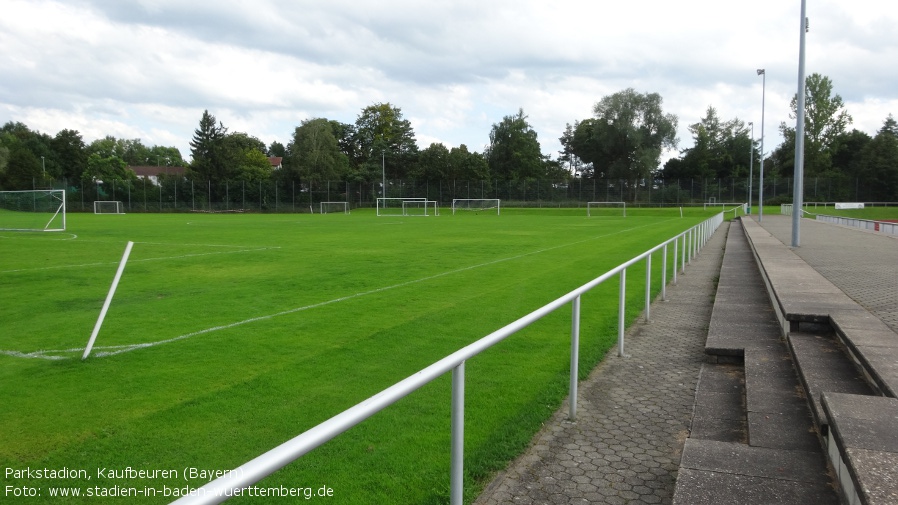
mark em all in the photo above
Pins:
pixel 689 243
pixel 886 227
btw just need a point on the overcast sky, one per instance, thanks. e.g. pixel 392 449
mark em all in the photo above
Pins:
pixel 148 68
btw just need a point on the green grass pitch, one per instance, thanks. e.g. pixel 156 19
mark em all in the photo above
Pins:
pixel 230 334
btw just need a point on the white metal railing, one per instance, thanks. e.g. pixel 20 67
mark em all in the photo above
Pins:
pixel 227 486
pixel 886 227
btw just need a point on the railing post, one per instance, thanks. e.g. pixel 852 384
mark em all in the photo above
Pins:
pixel 694 243
pixel 683 255
pixel 620 312
pixel 575 358
pixel 664 274
pixel 456 479
pixel 648 288
pixel 676 265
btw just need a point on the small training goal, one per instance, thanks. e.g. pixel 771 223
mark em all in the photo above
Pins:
pixel 476 204
pixel 334 208
pixel 108 207
pixel 407 207
pixel 32 210
pixel 609 209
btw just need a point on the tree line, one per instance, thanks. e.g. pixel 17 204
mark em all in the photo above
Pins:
pixel 623 140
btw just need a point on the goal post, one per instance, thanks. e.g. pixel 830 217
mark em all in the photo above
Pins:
pixel 394 206
pixel 334 208
pixel 712 203
pixel 476 204
pixel 108 207
pixel 33 210
pixel 612 209
pixel 420 208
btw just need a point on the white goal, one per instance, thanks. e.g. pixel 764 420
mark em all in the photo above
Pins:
pixel 108 207
pixel 476 204
pixel 712 203
pixel 407 207
pixel 420 208
pixel 610 209
pixel 334 208
pixel 32 210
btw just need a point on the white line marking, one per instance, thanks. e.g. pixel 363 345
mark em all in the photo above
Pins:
pixel 160 258
pixel 72 236
pixel 119 349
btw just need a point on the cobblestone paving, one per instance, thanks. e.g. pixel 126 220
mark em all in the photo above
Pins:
pixel 863 264
pixel 633 414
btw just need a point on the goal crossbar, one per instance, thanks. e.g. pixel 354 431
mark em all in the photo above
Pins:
pixel 325 207
pixel 400 206
pixel 590 206
pixel 108 207
pixel 420 208
pixel 476 204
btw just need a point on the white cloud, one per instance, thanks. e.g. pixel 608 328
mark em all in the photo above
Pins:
pixel 148 69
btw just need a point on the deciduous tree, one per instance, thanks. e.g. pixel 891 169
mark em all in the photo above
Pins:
pixel 514 151
pixel 878 164
pixel 385 139
pixel 626 137
pixel 314 153
pixel 825 121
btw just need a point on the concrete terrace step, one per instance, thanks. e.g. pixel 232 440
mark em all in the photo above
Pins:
pixel 863 446
pixel 842 366
pixel 719 410
pixel 823 366
pixel 713 472
pixel 742 316
pixel 778 414
pixel 802 295
pixel 752 438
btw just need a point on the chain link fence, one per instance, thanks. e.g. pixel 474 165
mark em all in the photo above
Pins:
pixel 173 194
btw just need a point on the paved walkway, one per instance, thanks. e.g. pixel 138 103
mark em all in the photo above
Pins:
pixel 863 264
pixel 633 414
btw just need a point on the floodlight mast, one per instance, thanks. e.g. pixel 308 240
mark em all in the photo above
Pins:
pixel 798 190
pixel 763 75
pixel 751 163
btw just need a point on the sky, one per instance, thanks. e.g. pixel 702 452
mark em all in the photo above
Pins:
pixel 148 69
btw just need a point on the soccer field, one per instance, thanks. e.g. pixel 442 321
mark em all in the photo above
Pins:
pixel 230 334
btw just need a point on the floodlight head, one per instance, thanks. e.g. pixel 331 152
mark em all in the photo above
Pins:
pixel 760 71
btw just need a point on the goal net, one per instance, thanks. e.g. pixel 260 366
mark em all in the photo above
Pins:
pixel 32 210
pixel 401 206
pixel 334 208
pixel 476 204
pixel 420 208
pixel 610 209
pixel 108 207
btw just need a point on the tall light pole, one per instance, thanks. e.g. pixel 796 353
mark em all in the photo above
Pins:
pixel 763 75
pixel 383 174
pixel 751 163
pixel 798 190
pixel 43 167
